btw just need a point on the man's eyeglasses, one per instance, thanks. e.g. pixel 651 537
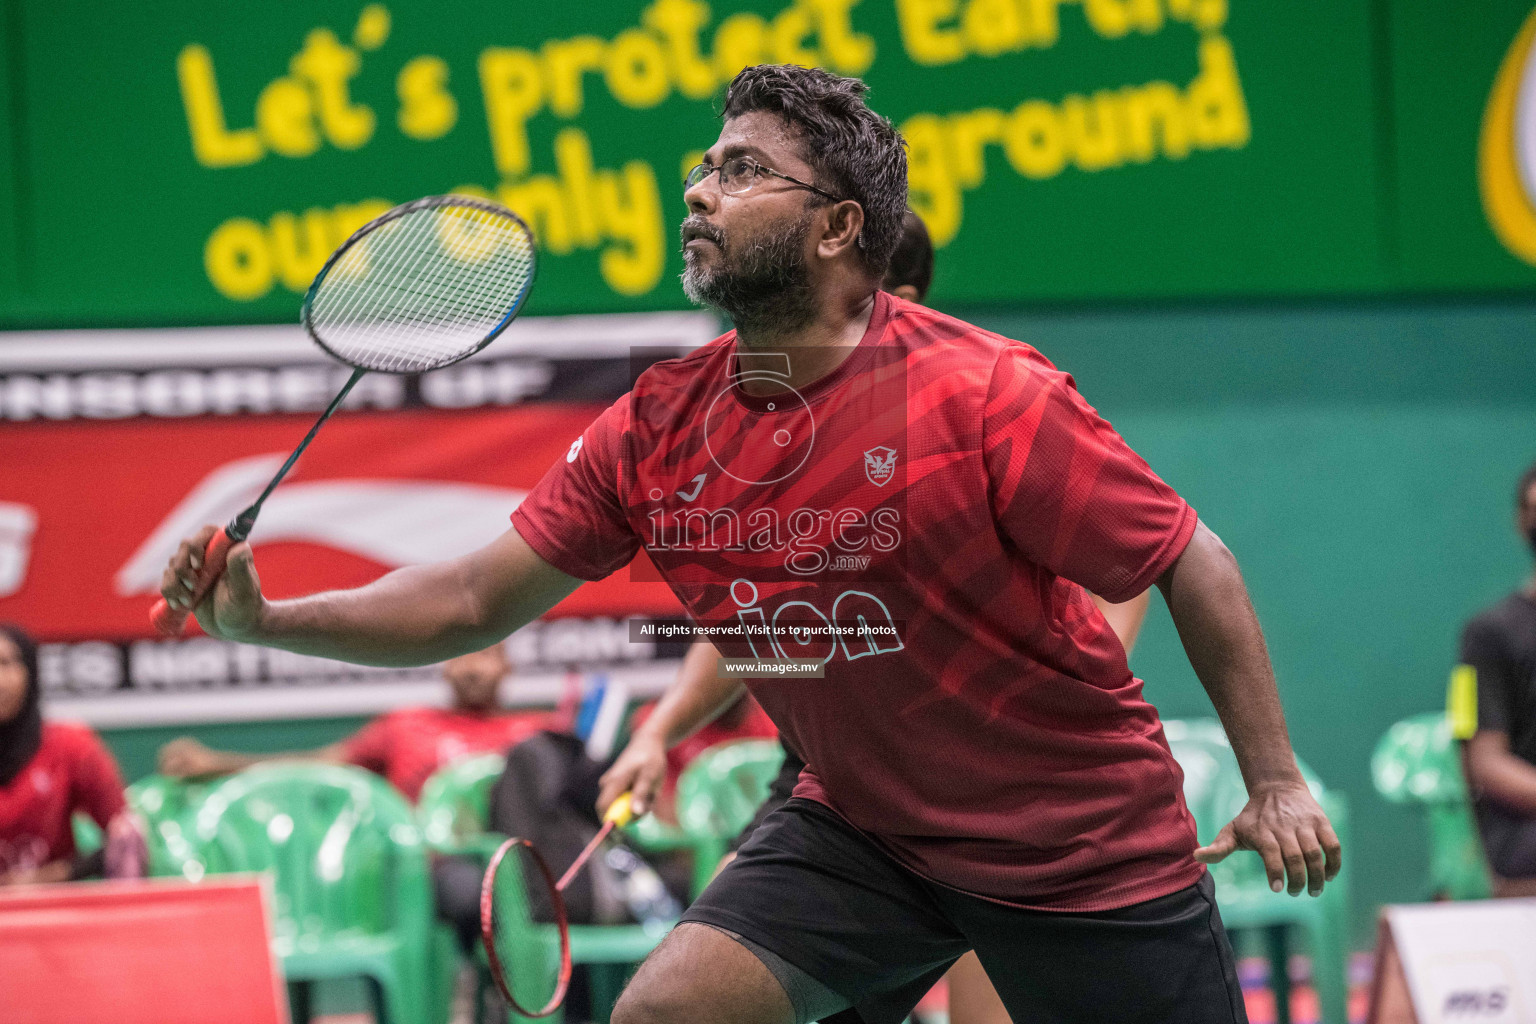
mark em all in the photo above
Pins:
pixel 740 173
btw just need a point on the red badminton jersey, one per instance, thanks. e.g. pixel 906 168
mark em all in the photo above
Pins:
pixel 923 520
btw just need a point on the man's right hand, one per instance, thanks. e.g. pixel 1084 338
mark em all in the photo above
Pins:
pixel 232 610
pixel 640 770
pixel 185 758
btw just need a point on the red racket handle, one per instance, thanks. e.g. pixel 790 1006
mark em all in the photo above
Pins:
pixel 585 855
pixel 488 931
pixel 169 621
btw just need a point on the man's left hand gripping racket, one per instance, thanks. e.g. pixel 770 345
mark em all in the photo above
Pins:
pixel 422 286
pixel 504 906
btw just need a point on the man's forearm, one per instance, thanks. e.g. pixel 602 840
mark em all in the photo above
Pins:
pixel 227 762
pixel 1210 607
pixel 417 615
pixel 696 699
pixel 1512 783
pixel 1499 775
pixel 420 614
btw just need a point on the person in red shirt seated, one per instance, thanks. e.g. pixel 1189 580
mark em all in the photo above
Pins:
pixel 48 772
pixel 404 746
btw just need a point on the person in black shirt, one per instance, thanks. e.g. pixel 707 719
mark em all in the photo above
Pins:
pixel 1493 709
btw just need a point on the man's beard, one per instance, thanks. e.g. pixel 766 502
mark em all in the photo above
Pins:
pixel 762 283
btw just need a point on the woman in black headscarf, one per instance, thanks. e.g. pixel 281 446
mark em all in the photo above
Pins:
pixel 49 771
pixel 21 716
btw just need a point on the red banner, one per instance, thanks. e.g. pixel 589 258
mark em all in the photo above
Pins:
pixel 117 444
pixel 91 510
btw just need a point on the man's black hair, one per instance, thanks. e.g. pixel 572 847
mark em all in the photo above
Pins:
pixel 855 152
pixel 1527 479
pixel 912 262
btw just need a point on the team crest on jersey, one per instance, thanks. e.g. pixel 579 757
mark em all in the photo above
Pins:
pixel 880 465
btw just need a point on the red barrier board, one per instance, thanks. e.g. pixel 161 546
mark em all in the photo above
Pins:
pixel 138 953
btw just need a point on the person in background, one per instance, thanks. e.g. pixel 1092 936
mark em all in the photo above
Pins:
pixel 701 689
pixel 742 719
pixel 404 746
pixel 911 269
pixel 48 772
pixel 1493 712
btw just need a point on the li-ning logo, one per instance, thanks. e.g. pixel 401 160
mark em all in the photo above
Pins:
pixel 880 465
pixel 575 450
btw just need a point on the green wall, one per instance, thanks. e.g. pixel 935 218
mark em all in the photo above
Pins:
pixel 194 163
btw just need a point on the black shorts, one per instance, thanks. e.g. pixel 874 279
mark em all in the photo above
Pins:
pixel 816 893
pixel 779 792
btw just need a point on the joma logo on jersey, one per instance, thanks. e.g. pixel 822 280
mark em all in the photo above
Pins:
pixel 880 465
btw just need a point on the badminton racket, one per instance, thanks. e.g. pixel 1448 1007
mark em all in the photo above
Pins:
pixel 422 286
pixel 503 906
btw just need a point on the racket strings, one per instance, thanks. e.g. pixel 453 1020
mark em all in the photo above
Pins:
pixel 424 289
pixel 367 305
pixel 425 270
pixel 505 913
pixel 429 310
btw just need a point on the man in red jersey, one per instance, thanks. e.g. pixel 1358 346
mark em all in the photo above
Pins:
pixel 897 517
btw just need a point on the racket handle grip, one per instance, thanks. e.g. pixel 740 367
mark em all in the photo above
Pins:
pixel 170 621
pixel 620 812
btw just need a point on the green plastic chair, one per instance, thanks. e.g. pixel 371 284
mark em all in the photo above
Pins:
pixel 352 896
pixel 455 805
pixel 163 805
pixel 167 806
pixel 87 833
pixel 160 802
pixel 1215 794
pixel 1417 762
pixel 718 795
pixel 453 813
